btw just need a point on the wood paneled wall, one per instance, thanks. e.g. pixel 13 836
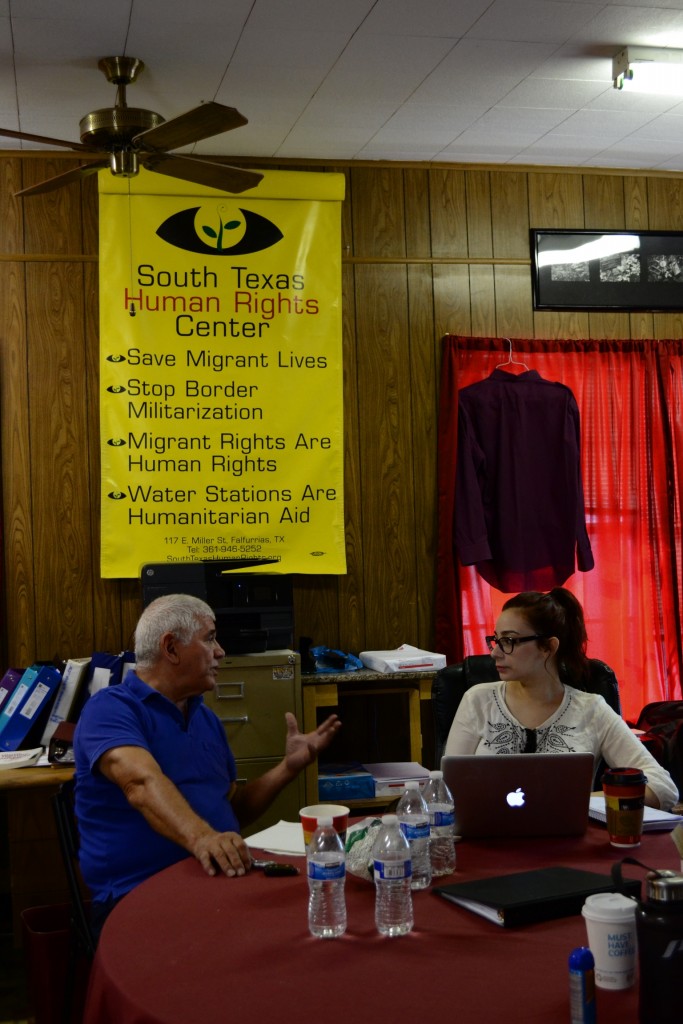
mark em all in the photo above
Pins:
pixel 426 251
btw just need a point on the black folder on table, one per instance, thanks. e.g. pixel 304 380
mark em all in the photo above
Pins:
pixel 527 897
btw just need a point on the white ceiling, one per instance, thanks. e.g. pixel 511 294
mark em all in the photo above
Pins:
pixel 485 81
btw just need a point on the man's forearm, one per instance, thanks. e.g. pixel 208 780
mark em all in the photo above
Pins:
pixel 166 810
pixel 150 792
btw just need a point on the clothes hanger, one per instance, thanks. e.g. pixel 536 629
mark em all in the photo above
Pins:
pixel 510 361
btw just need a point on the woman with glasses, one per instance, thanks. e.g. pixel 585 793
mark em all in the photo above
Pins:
pixel 538 703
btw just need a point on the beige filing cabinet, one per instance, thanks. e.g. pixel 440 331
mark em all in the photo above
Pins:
pixel 252 693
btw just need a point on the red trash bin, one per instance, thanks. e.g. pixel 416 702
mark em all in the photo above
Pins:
pixel 46 948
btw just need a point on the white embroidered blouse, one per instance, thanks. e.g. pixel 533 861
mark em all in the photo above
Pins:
pixel 483 724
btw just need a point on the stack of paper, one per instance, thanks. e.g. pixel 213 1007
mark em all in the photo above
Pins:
pixel 404 659
pixel 19 758
pixel 285 837
pixel 391 776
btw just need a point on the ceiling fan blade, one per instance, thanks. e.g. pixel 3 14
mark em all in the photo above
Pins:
pixel 201 172
pixel 46 140
pixel 75 174
pixel 200 123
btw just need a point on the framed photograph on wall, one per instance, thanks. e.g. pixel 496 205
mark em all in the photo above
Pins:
pixel 603 270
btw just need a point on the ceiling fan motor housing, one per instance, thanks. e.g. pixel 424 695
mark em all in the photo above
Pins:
pixel 116 126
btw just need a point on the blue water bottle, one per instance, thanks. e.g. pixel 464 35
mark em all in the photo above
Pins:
pixel 582 986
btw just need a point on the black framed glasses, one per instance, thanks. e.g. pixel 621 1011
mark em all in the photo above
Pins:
pixel 507 644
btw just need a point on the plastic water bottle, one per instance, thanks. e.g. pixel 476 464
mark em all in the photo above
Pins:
pixel 413 817
pixel 439 800
pixel 392 871
pixel 326 869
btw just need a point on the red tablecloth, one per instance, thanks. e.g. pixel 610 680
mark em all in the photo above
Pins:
pixel 185 948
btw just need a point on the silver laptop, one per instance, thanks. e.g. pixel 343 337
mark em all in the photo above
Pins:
pixel 501 795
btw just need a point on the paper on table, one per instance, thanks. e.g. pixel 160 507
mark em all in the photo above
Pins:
pixel 20 758
pixel 285 837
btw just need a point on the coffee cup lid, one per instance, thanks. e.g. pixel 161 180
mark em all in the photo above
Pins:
pixel 609 906
pixel 624 777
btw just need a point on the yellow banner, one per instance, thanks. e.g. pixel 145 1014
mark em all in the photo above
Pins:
pixel 221 373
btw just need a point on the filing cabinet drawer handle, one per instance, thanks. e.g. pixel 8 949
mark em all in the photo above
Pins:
pixel 237 687
pixel 237 718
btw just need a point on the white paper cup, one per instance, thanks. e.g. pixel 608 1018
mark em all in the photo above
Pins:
pixel 309 819
pixel 611 926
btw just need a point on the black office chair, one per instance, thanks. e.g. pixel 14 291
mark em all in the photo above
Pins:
pixel 450 683
pixel 662 724
pixel 81 940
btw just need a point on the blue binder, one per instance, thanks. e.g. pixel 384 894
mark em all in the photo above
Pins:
pixel 28 712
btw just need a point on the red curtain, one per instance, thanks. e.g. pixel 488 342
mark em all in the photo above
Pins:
pixel 630 399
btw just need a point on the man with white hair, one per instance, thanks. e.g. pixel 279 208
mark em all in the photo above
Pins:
pixel 155 776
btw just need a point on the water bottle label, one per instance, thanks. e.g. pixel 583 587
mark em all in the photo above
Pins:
pixel 441 819
pixel 393 869
pixel 419 830
pixel 326 872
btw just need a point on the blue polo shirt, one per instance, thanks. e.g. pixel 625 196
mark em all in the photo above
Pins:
pixel 118 848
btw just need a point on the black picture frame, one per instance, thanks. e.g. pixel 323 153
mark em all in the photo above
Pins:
pixel 607 270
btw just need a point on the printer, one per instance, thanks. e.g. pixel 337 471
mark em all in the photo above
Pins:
pixel 254 611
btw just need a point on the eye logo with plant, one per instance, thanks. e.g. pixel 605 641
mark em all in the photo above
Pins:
pixel 210 232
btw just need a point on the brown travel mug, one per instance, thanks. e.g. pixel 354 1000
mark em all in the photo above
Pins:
pixel 624 790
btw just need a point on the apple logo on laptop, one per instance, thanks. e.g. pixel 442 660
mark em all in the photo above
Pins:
pixel 516 799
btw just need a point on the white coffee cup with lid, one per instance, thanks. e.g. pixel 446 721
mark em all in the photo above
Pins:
pixel 611 926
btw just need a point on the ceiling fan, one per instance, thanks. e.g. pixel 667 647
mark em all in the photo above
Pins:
pixel 125 138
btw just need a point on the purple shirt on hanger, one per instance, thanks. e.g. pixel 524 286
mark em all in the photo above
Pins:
pixel 519 506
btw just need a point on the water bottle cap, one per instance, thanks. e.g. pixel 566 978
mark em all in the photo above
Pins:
pixel 664 886
pixel 412 784
pixel 436 775
pixel 389 819
pixel 325 822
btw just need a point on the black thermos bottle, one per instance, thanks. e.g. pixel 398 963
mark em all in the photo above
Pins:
pixel 659 924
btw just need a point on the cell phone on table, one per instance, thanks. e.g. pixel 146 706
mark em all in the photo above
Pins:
pixel 272 868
